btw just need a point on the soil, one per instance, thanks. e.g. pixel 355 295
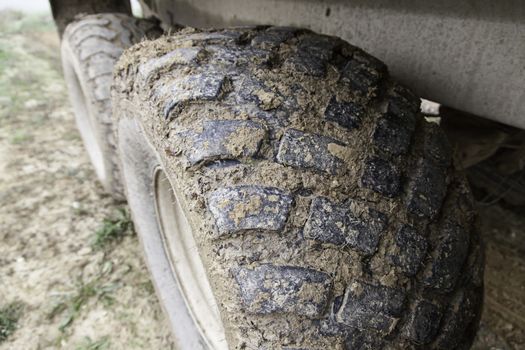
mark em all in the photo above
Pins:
pixel 74 296
pixel 503 320
pixel 77 296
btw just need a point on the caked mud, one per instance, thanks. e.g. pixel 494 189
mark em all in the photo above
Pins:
pixel 302 166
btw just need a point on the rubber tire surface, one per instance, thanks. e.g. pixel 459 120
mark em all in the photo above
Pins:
pixel 325 207
pixel 91 46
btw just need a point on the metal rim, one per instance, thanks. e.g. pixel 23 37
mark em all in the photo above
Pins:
pixel 186 263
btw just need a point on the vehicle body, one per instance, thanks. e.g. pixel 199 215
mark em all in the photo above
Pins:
pixel 463 54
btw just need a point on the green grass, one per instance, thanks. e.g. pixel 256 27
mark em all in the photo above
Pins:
pixel 71 306
pixel 113 230
pixel 100 287
pixel 5 59
pixel 90 344
pixel 20 137
pixel 9 316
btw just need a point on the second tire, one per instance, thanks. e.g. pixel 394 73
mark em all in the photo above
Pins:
pixel 91 45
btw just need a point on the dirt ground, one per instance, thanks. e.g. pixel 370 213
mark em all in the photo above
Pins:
pixel 72 294
pixel 76 288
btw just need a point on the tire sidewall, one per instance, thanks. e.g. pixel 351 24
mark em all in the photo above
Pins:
pixel 139 162
pixel 91 128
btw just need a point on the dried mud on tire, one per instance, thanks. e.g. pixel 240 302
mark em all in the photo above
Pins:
pixel 325 208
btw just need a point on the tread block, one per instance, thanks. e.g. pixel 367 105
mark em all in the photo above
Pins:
pixel 333 223
pixel 412 249
pixel 369 306
pixel 311 151
pixel 93 45
pixel 220 37
pixel 393 133
pixel 436 146
pixel 225 139
pixel 346 114
pixel 249 207
pixel 245 88
pixel 423 323
pixel 381 176
pixel 257 100
pixel 180 56
pixel 358 340
pixel 88 21
pixel 476 264
pixel 374 63
pixel 102 90
pixel 100 65
pixel 368 230
pixel 201 86
pixel 402 100
pixel 327 222
pixel 269 289
pixel 427 188
pixel 360 77
pixel 305 63
pixel 273 37
pixel 460 313
pixel 451 253
pixel 237 56
pixel 93 31
pixel 313 52
pixel 320 46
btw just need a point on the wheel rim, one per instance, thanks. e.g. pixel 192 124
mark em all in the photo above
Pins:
pixel 186 263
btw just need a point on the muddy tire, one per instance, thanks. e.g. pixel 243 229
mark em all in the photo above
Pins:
pixel 322 207
pixel 91 46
